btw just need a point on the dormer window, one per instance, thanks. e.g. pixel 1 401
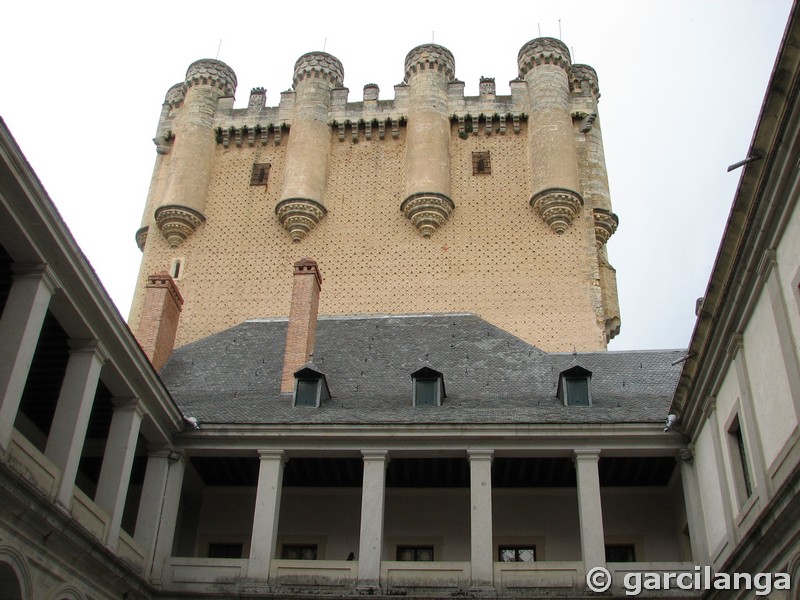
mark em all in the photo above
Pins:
pixel 574 387
pixel 310 387
pixel 428 387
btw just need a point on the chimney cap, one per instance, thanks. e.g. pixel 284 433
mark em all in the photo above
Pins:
pixel 306 266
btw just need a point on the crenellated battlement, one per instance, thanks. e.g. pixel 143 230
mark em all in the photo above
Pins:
pixel 319 65
pixel 431 57
pixel 583 81
pixel 545 50
pixel 211 72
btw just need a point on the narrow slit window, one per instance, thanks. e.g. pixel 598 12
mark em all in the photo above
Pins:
pixel 744 484
pixel 260 174
pixel 176 269
pixel 481 163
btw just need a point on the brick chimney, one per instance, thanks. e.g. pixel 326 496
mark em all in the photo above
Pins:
pixel 302 330
pixel 158 325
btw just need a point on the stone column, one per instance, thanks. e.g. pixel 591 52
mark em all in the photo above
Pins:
pixel 305 176
pixel 166 520
pixel 267 513
pixel 428 68
pixel 153 494
pixel 115 474
pixel 71 418
pixel 694 514
pixel 373 494
pixel 590 510
pixel 20 327
pixel 544 63
pixel 482 546
pixel 181 210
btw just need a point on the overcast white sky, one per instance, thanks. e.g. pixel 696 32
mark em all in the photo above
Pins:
pixel 681 80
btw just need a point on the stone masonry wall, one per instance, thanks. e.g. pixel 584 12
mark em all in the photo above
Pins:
pixel 494 257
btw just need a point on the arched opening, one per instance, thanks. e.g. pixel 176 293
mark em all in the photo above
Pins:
pixel 10 588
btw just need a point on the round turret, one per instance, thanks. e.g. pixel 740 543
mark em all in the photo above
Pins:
pixel 209 71
pixel 543 50
pixel 321 65
pixel 175 95
pixel 430 56
pixel 584 81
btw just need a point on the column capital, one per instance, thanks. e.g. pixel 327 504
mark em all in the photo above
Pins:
pixel 735 343
pixel 587 454
pixel 171 454
pixel 88 346
pixel 36 272
pixel 272 455
pixel 375 455
pixel 130 404
pixel 476 454
pixel 768 260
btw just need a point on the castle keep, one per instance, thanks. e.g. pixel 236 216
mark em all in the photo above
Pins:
pixel 432 202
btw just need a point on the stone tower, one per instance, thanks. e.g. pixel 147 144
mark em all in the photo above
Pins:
pixel 504 206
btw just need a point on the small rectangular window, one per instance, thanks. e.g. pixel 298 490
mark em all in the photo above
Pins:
pixel 481 163
pixel 577 391
pixel 415 553
pixel 299 552
pixel 620 553
pixel 260 174
pixel 517 553
pixel 307 390
pixel 224 550
pixel 426 392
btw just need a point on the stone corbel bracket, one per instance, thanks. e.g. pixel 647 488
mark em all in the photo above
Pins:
pixel 178 222
pixel 558 207
pixel 427 211
pixel 299 216
pixel 605 224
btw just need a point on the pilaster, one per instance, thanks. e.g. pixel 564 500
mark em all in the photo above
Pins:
pixel 267 513
pixel 71 418
pixel 481 545
pixel 20 327
pixel 115 474
pixel 373 494
pixel 590 509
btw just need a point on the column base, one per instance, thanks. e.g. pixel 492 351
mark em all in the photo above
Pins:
pixel 482 590
pixel 369 588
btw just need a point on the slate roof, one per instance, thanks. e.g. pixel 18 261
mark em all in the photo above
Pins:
pixel 490 375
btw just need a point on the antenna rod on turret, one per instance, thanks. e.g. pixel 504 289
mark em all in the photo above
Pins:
pixel 539 25
pixel 324 44
pixel 433 36
pixel 219 47
pixel 559 29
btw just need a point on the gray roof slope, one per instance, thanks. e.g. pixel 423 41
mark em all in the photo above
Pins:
pixel 490 375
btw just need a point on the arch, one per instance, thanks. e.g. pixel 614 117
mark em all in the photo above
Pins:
pixel 15 575
pixel 66 592
pixel 794 577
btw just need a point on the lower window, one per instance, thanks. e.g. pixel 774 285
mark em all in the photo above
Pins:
pixel 219 550
pixel 418 553
pixel 299 552
pixel 620 553
pixel 517 553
